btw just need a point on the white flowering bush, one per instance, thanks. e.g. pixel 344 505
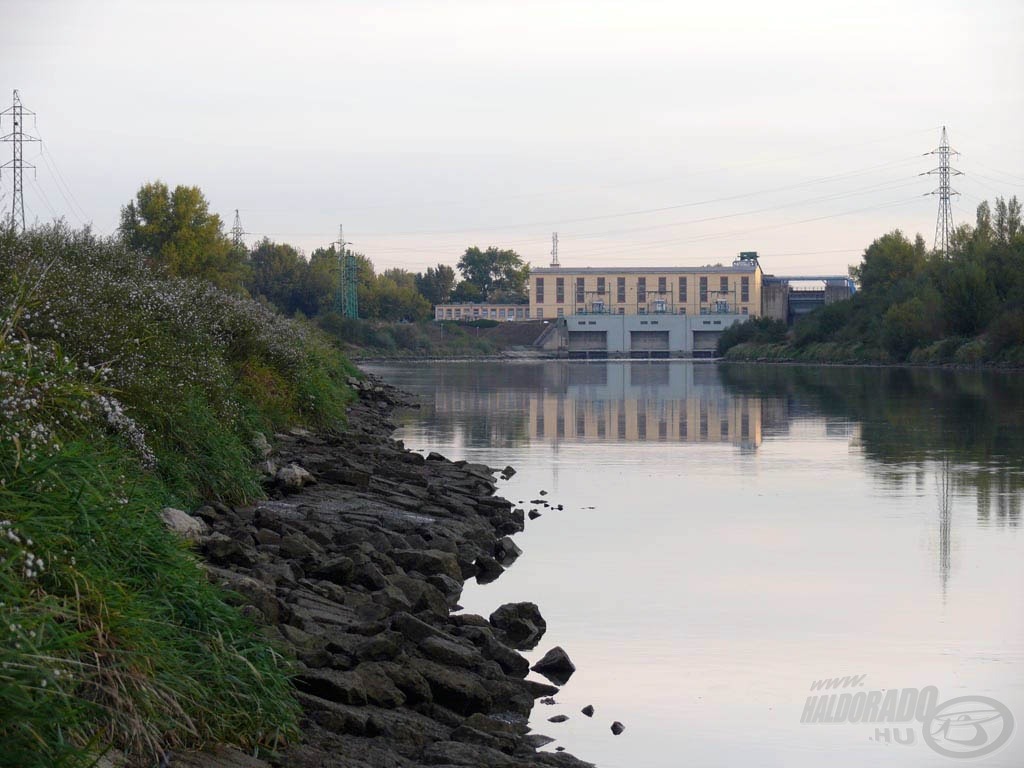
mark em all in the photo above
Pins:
pixel 194 368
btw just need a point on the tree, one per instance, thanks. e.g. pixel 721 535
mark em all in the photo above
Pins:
pixel 177 231
pixel 278 272
pixel 888 261
pixel 436 285
pixel 497 274
pixel 466 291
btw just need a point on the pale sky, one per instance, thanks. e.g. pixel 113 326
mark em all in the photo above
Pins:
pixel 644 133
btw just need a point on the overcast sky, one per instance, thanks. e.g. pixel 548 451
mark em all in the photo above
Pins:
pixel 643 132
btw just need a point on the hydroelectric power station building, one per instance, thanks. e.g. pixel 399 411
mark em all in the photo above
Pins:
pixel 655 311
pixel 644 311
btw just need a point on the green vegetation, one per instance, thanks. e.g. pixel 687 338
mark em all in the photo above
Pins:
pixel 128 387
pixel 428 338
pixel 920 307
pixel 758 330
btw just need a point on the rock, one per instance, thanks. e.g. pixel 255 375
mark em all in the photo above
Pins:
pixel 292 478
pixel 487 569
pixel 555 666
pixel 338 570
pixel 451 753
pixel 188 527
pixel 298 546
pixel 428 562
pixel 533 514
pixel 506 552
pixel 549 701
pixel 558 719
pixel 450 653
pixel 588 710
pixel 261 445
pixel 617 728
pixel 537 740
pixel 543 493
pixel 435 456
pixel 521 623
pixel 347 476
pixel 538 689
pixel 225 550
pixel 559 507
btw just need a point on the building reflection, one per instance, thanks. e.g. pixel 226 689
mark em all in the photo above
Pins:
pixel 607 402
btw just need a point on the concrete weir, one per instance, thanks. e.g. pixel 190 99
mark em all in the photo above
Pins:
pixel 649 335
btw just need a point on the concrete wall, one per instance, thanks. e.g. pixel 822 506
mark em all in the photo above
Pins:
pixel 625 334
pixel 775 301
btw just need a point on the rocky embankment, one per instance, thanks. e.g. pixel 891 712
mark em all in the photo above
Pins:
pixel 354 565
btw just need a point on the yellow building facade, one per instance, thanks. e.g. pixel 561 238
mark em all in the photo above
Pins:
pixel 710 290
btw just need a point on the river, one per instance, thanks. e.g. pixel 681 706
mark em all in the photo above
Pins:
pixel 732 534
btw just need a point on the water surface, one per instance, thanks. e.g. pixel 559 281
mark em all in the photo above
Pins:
pixel 731 534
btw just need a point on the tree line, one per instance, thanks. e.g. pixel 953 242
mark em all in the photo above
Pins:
pixel 177 231
pixel 920 305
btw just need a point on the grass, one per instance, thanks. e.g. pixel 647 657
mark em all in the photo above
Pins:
pixel 123 391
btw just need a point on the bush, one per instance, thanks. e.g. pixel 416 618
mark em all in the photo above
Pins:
pixel 180 354
pixel 1006 332
pixel 759 330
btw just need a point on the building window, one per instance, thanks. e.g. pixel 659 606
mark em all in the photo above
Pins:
pixel 600 286
pixel 723 285
pixel 622 310
pixel 579 290
pixel 539 293
pixel 743 311
pixel 620 290
pixel 703 290
pixel 561 312
pixel 682 291
pixel 662 285
pixel 641 289
pixel 560 290
pixel 744 289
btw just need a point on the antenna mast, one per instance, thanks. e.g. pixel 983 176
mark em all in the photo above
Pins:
pixel 554 249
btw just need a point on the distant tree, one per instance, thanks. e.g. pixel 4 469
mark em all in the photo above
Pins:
pixel 177 231
pixel 278 272
pixel 888 261
pixel 466 291
pixel 436 284
pixel 502 273
pixel 402 277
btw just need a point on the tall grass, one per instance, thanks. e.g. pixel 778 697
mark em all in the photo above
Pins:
pixel 122 390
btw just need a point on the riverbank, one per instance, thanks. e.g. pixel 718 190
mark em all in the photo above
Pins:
pixel 962 356
pixel 353 565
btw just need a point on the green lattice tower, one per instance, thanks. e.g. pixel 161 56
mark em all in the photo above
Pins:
pixel 346 296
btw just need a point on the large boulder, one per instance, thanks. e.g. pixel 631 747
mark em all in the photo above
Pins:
pixel 555 666
pixel 520 623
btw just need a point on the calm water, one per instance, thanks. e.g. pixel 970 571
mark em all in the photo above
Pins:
pixel 732 534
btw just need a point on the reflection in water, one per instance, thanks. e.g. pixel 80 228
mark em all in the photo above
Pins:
pixel 942 483
pixel 731 532
pixel 605 402
pixel 908 419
